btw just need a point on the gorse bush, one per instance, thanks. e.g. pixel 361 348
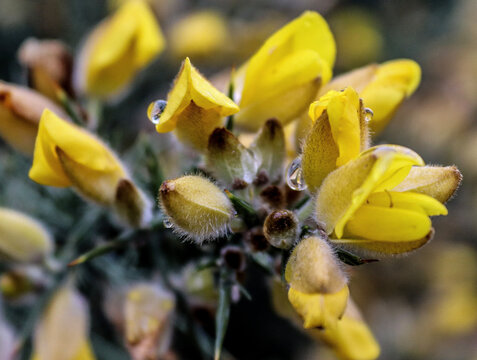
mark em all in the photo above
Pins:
pixel 278 176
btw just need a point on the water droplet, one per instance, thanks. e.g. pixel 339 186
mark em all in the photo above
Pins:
pixel 295 175
pixel 155 110
pixel 368 114
pixel 167 223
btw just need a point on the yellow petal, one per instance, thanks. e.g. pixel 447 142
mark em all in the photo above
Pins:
pixel 62 331
pixel 120 46
pixel 319 310
pixel 78 145
pixel 378 248
pixel 296 55
pixel 23 238
pixel 407 200
pixel 436 181
pixel 190 86
pixel 393 82
pixel 347 188
pixel 351 339
pixel 336 135
pixel 388 224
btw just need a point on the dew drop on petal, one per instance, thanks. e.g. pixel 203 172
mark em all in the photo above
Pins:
pixel 155 110
pixel 368 114
pixel 167 223
pixel 295 176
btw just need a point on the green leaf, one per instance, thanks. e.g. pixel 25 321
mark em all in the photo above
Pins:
pixel 352 259
pixel 223 311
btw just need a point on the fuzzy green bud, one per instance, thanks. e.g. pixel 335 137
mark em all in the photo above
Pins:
pixel 281 229
pixel 229 159
pixel 196 207
pixel 270 149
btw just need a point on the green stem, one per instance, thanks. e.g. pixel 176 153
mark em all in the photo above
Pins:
pixel 70 107
pixel 306 210
pixel 223 311
pixel 230 120
pixel 244 209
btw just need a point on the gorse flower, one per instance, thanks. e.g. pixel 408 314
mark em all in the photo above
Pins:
pixel 117 49
pixel 62 333
pixel 194 108
pixel 284 75
pixel 66 155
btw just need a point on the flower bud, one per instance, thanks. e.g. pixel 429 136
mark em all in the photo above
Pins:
pixel 318 287
pixel 117 49
pixel 194 108
pixel 22 238
pixel 281 229
pixel 270 148
pixel 62 333
pixel 199 34
pixel 199 284
pixel 148 311
pixel 196 207
pixel 49 64
pixel 233 257
pixel 229 159
pixel 20 113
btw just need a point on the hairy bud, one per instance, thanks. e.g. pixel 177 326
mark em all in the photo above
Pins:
pixel 229 159
pixel 196 207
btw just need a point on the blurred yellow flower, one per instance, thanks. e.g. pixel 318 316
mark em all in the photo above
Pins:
pixel 382 87
pixel 200 34
pixel 318 288
pixel 338 135
pixel 117 49
pixel 359 206
pixel 62 333
pixel 358 37
pixel 194 108
pixel 67 155
pixel 20 113
pixel 285 74
pixel 351 339
pixel 22 238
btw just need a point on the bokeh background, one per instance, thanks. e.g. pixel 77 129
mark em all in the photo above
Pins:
pixel 421 306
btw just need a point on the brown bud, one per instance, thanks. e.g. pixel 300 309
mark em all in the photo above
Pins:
pixel 256 240
pixel 233 257
pixel 273 195
pixel 281 228
pixel 50 65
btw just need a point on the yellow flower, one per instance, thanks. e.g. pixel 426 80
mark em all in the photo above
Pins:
pixel 22 238
pixel 317 285
pixel 361 205
pixel 62 333
pixel 285 74
pixel 20 113
pixel 194 108
pixel 382 88
pixel 148 311
pixel 67 155
pixel 351 339
pixel 199 34
pixel 118 48
pixel 338 135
